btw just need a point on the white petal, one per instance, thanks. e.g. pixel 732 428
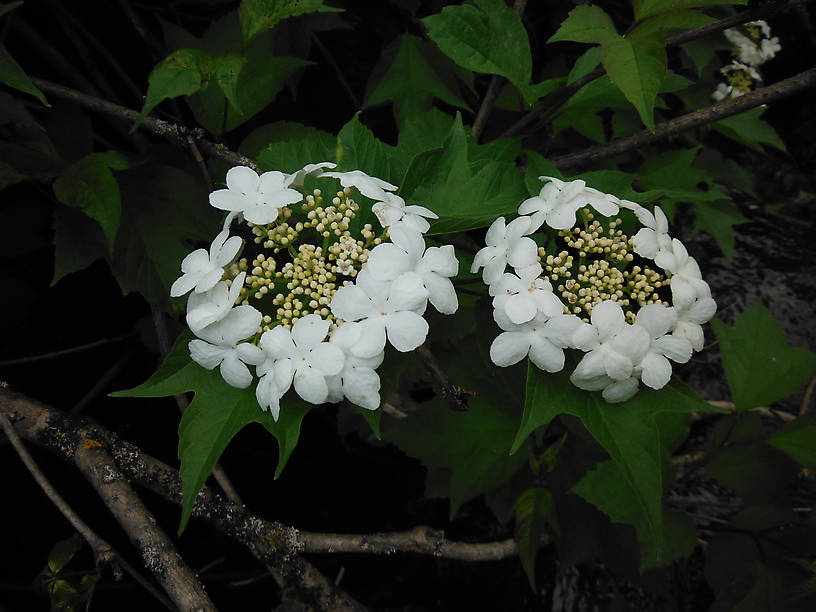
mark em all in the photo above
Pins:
pixel 228 251
pixel 387 261
pixel 197 262
pixel 675 348
pixel 234 371
pixel 267 395
pixel 523 253
pixel 311 385
pixel 362 387
pixel 346 335
pixel 585 337
pixel 561 218
pixel 616 366
pixel 310 331
pixel 183 284
pixel 545 355
pixel 407 239
pixel 560 329
pixel 335 385
pixel 277 343
pixel 656 371
pixel 209 280
pixel 534 204
pixel 509 348
pixel 656 318
pixel 350 303
pixel 261 214
pixel 407 293
pixel 372 337
pixel 406 330
pixel 495 233
pixel 205 354
pixel 608 318
pixel 620 390
pixel 327 358
pixel 494 270
pixel 441 260
pixel 691 332
pixel 242 179
pixel 241 322
pixel 700 311
pixel 441 293
pixel 520 308
pixel 249 353
pixel 420 211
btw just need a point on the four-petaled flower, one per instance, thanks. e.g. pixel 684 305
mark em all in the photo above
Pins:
pixel 370 186
pixel 522 297
pixel 204 309
pixel 358 381
pixel 543 338
pixel 392 211
pixel 558 201
pixel 506 244
pixel 203 270
pixel 259 198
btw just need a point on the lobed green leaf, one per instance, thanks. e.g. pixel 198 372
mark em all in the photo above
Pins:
pixel 12 74
pixel 586 23
pixel 534 511
pixel 260 15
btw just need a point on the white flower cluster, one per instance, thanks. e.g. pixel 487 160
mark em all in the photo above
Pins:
pixel 327 300
pixel 630 303
pixel 753 45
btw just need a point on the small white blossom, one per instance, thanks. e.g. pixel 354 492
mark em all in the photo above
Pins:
pixel 358 381
pixel 203 270
pixel 543 338
pixel 406 254
pixel 687 282
pixel 384 309
pixel 392 211
pixel 655 369
pixel 559 201
pixel 220 344
pixel 506 244
pixel 296 179
pixel 257 198
pixel 522 297
pixel 204 309
pixel 654 237
pixel 690 319
pixel 370 186
pixel 299 356
pixel 724 91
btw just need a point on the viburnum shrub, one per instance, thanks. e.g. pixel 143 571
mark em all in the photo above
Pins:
pixel 316 292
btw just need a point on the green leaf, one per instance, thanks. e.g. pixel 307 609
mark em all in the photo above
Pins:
pixel 586 23
pixel 288 146
pixel 12 74
pixel 162 210
pixel 422 132
pixel 673 174
pixel 534 510
pixel 488 38
pixel 217 412
pixel 672 20
pixel 227 70
pixel 411 73
pixel 627 431
pixel 647 8
pixel 719 219
pixel 89 186
pixel 637 65
pixel 62 552
pixel 798 440
pixel 78 242
pixel 179 74
pixel 466 194
pixel 760 365
pixel 585 64
pixel 607 489
pixel 359 149
pixel 260 15
pixel 750 130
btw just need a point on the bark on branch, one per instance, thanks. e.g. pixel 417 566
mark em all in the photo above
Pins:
pixel 269 541
pixel 694 119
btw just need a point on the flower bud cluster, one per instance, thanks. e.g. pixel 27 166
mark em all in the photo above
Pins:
pixel 629 302
pixel 304 309
pixel 752 46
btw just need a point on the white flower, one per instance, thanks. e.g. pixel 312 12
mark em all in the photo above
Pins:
pixel 393 211
pixel 220 346
pixel 203 270
pixel 558 201
pixel 746 51
pixel 690 319
pixel 522 297
pixel 543 338
pixel 654 237
pixel 258 198
pixel 740 67
pixel 299 355
pixel 614 347
pixel 655 369
pixel 687 282
pixel 384 309
pixel 724 91
pixel 358 381
pixel 370 186
pixel 204 309
pixel 769 47
pixel 298 177
pixel 406 254
pixel 505 244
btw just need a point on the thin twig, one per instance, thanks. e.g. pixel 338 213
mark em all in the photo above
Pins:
pixel 560 96
pixel 456 396
pixel 763 410
pixel 694 119
pixel 103 552
pixel 808 394
pixel 164 129
pixel 202 165
pixel 493 88
pixel 64 352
